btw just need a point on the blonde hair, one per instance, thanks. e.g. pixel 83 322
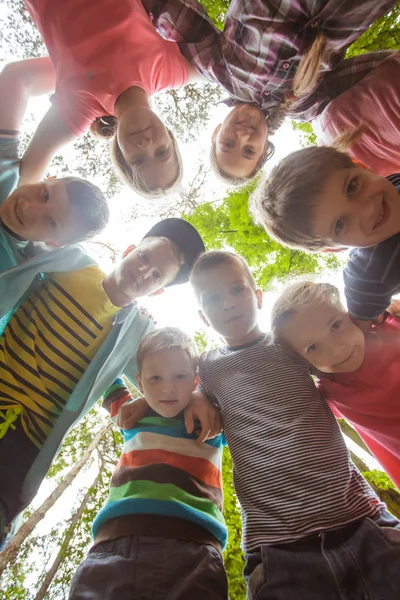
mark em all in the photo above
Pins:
pixel 285 201
pixel 106 127
pixel 168 338
pixel 209 260
pixel 297 296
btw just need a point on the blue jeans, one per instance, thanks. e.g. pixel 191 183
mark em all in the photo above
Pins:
pixel 360 561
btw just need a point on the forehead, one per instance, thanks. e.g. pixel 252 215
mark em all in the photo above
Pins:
pixel 309 322
pixel 168 357
pixel 220 276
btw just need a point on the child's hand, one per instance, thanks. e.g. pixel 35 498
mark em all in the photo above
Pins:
pixel 201 409
pixel 129 414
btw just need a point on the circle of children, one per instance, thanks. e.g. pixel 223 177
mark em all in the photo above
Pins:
pixel 312 526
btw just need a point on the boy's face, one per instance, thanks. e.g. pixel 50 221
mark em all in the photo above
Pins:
pixel 167 381
pixel 41 212
pixel 326 337
pixel 147 269
pixel 228 301
pixel 356 208
pixel 240 140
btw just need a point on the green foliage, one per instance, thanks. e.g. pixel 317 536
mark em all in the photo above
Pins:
pixel 379 479
pixel 307 136
pixel 233 555
pixel 216 10
pixel 230 226
pixel 384 34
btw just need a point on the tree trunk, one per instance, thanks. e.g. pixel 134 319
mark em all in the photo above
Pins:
pixel 67 539
pixel 10 552
pixel 351 433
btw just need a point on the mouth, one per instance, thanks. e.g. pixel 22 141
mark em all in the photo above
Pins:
pixel 141 130
pixel 18 213
pixel 168 401
pixel 343 362
pixel 232 319
pixel 383 216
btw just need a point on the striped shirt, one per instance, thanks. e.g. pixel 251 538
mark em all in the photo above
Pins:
pixel 163 473
pixel 372 275
pixel 48 344
pixel 292 471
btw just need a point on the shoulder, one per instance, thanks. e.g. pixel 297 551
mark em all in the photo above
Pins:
pixel 372 263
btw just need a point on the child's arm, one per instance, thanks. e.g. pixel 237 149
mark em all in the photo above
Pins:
pixel 18 82
pixel 51 134
pixel 124 410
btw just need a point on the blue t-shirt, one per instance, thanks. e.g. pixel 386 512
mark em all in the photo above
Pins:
pixel 372 275
pixel 12 250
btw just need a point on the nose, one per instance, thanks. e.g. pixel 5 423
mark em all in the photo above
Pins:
pixel 167 389
pixel 366 213
pixel 228 305
pixel 144 142
pixel 243 133
pixel 337 348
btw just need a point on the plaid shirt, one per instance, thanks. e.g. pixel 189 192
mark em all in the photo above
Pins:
pixel 256 56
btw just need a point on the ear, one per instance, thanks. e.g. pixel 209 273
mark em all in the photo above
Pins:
pixel 334 249
pixel 215 132
pixel 157 292
pixel 128 250
pixel 196 381
pixel 203 318
pixel 139 382
pixel 260 297
pixel 54 244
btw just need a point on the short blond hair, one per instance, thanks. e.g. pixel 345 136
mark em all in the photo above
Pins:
pixel 167 338
pixel 209 260
pixel 284 202
pixel 297 296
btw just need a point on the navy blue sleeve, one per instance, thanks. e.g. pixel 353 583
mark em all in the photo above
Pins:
pixel 371 278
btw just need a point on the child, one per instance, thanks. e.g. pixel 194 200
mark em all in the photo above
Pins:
pixel 57 211
pixel 364 381
pixel 319 199
pixel 161 532
pixel 312 526
pixel 66 343
pixel 108 61
pixel 274 59
pixel 374 103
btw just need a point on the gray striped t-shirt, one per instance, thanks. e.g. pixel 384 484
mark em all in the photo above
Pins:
pixel 292 470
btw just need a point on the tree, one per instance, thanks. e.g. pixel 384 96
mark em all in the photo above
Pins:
pixel 228 225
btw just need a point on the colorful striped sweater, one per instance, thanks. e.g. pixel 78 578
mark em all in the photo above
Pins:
pixel 165 474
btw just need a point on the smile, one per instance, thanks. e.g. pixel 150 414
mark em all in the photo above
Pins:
pixel 342 362
pixel 168 401
pixel 232 319
pixel 18 213
pixel 383 216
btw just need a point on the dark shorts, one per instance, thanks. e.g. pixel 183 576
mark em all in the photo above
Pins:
pixel 17 454
pixel 150 568
pixel 358 562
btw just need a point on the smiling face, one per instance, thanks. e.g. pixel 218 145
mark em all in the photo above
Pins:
pixel 229 302
pixel 326 337
pixel 356 208
pixel 147 147
pixel 167 380
pixel 241 140
pixel 41 212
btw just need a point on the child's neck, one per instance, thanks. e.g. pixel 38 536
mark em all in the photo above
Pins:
pixel 116 297
pixel 248 338
pixel 133 96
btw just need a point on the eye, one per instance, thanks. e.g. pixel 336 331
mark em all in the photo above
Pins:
pixel 52 223
pixel 336 325
pixel 238 289
pixel 155 378
pixel 339 226
pixel 352 187
pixel 249 151
pixel 227 144
pixel 181 376
pixel 144 257
pixel 312 348
pixel 156 276
pixel 161 152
